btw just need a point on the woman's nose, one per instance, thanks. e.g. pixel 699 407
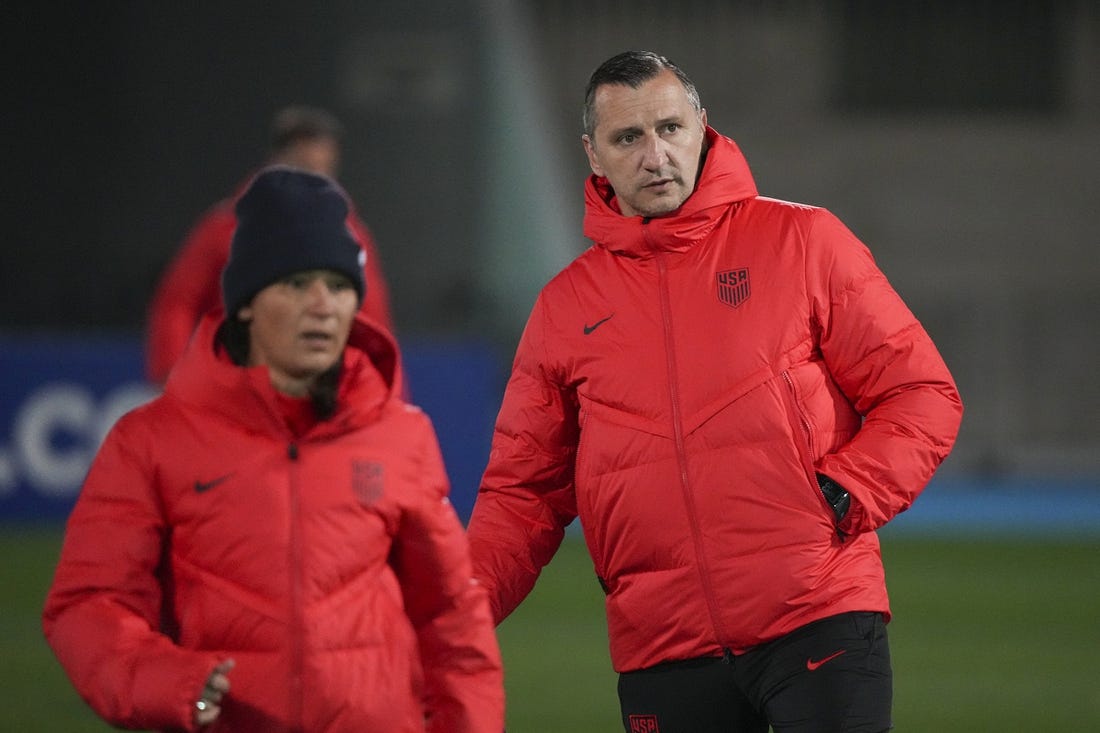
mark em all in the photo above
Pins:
pixel 320 296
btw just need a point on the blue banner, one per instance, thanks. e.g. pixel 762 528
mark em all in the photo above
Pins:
pixel 59 395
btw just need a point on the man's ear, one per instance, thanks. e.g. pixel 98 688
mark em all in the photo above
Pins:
pixel 593 161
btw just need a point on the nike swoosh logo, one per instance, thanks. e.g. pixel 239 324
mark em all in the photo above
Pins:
pixel 812 664
pixel 589 329
pixel 201 486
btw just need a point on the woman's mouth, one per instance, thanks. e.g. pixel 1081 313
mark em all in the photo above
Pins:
pixel 316 338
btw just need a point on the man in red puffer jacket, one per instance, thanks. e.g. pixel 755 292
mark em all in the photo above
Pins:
pixel 732 398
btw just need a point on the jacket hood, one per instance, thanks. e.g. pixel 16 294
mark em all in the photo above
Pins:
pixel 724 179
pixel 206 378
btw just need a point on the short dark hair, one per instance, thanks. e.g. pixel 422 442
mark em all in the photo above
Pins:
pixel 294 124
pixel 631 68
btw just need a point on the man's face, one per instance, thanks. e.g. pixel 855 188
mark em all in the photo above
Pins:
pixel 299 326
pixel 648 143
pixel 316 155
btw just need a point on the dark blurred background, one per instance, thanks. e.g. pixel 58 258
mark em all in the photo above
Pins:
pixel 960 140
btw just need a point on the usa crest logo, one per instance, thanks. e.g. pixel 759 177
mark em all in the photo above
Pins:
pixel 367 481
pixel 643 724
pixel 733 286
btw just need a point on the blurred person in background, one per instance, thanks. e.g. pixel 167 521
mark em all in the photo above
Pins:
pixel 302 137
pixel 269 545
pixel 732 398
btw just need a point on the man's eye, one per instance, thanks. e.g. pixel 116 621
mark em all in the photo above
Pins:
pixel 627 139
pixel 296 281
pixel 672 127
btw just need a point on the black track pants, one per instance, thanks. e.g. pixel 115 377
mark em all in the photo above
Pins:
pixel 830 676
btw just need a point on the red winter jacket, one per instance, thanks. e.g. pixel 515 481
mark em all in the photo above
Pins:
pixel 331 567
pixel 191 286
pixel 677 387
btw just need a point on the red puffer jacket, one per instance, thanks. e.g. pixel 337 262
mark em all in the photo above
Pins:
pixel 677 387
pixel 331 567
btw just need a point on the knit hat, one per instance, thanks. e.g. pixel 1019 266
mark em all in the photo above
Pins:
pixel 289 221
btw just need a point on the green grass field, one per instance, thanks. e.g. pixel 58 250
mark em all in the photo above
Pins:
pixel 988 635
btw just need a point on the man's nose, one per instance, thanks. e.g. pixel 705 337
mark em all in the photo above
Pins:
pixel 654 152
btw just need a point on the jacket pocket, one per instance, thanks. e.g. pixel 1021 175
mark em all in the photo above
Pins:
pixel 802 428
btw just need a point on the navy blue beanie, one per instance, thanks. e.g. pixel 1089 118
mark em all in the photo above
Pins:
pixel 289 221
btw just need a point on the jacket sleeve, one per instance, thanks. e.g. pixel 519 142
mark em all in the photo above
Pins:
pixel 189 287
pixel 526 498
pixel 103 610
pixel 887 366
pixel 463 674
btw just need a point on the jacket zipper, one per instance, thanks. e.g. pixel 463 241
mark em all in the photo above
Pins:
pixel 297 623
pixel 681 453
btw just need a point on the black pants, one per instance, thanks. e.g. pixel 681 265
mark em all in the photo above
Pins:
pixel 829 676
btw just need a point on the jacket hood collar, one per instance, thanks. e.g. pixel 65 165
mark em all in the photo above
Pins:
pixel 206 377
pixel 724 180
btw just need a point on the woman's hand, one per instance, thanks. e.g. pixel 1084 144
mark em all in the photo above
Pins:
pixel 208 707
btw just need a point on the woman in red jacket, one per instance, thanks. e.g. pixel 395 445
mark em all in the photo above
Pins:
pixel 268 546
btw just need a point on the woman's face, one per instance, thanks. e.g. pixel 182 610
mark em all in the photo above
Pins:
pixel 299 325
